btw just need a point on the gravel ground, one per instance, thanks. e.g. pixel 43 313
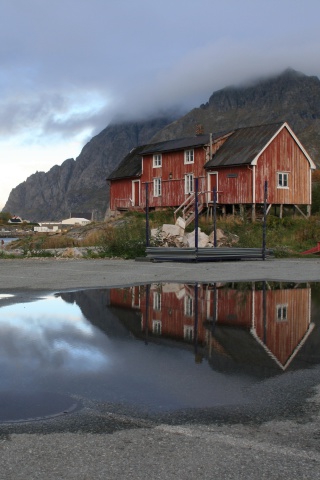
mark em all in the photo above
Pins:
pixel 100 442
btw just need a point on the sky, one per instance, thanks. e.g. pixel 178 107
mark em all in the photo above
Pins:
pixel 70 67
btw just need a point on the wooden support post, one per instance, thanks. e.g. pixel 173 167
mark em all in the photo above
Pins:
pixel 253 212
pixel 281 211
pixel 308 210
pixel 241 211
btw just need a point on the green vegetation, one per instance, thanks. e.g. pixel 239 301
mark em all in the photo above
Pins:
pixel 4 217
pixel 125 240
pixel 125 236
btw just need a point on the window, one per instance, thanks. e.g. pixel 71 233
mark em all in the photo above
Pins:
pixel 188 156
pixel 188 306
pixel 157 187
pixel 283 180
pixel 188 183
pixel 157 160
pixel 156 327
pixel 282 312
pixel 188 333
pixel 156 301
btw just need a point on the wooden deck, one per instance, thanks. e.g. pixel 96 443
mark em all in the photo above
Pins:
pixel 219 254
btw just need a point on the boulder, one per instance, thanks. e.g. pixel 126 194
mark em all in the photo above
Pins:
pixel 220 236
pixel 172 230
pixel 203 239
pixel 181 223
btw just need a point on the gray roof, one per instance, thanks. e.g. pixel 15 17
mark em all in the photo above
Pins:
pixel 243 145
pixel 177 144
pixel 240 148
pixel 130 166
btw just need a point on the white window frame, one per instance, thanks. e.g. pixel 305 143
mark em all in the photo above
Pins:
pixel 282 180
pixel 188 183
pixel 189 156
pixel 157 327
pixel 157 160
pixel 157 187
pixel 188 333
pixel 188 306
pixel 282 312
pixel 157 301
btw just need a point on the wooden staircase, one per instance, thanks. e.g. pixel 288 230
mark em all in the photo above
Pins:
pixel 186 209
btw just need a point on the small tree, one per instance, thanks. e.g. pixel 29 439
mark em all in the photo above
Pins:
pixel 4 217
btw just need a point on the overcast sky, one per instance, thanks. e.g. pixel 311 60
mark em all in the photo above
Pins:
pixel 69 66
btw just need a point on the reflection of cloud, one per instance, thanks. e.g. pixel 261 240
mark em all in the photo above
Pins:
pixel 49 336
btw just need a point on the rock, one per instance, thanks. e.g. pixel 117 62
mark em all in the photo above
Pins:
pixel 172 230
pixel 181 223
pixel 71 253
pixel 203 239
pixel 220 235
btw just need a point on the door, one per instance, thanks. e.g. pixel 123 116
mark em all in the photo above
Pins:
pixel 212 183
pixel 136 193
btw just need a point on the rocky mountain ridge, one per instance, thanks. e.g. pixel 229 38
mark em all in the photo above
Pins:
pixel 80 185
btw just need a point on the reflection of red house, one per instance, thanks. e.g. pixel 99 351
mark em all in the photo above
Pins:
pixel 281 326
pixel 274 320
pixel 236 163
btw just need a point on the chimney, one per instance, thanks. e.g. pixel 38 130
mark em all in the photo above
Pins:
pixel 199 129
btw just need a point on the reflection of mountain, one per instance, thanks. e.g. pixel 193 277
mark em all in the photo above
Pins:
pixel 95 306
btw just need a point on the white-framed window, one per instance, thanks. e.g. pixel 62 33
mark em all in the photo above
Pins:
pixel 157 160
pixel 282 180
pixel 189 156
pixel 282 312
pixel 157 301
pixel 188 333
pixel 188 183
pixel 157 187
pixel 188 306
pixel 157 327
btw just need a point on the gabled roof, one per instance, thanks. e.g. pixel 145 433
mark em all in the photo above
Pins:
pixel 243 146
pixel 246 144
pixel 130 166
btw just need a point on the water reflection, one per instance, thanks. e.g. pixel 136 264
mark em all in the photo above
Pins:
pixel 256 323
pixel 159 345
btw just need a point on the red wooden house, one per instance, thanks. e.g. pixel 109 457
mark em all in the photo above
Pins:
pixel 236 163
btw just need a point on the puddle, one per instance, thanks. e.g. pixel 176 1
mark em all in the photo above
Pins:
pixel 161 346
pixel 27 406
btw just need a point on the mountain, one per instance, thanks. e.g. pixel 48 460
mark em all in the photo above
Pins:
pixel 80 185
pixel 292 97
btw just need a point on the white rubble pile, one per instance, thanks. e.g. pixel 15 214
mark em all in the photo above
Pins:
pixel 175 236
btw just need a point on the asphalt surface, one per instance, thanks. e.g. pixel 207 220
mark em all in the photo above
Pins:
pixel 100 442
